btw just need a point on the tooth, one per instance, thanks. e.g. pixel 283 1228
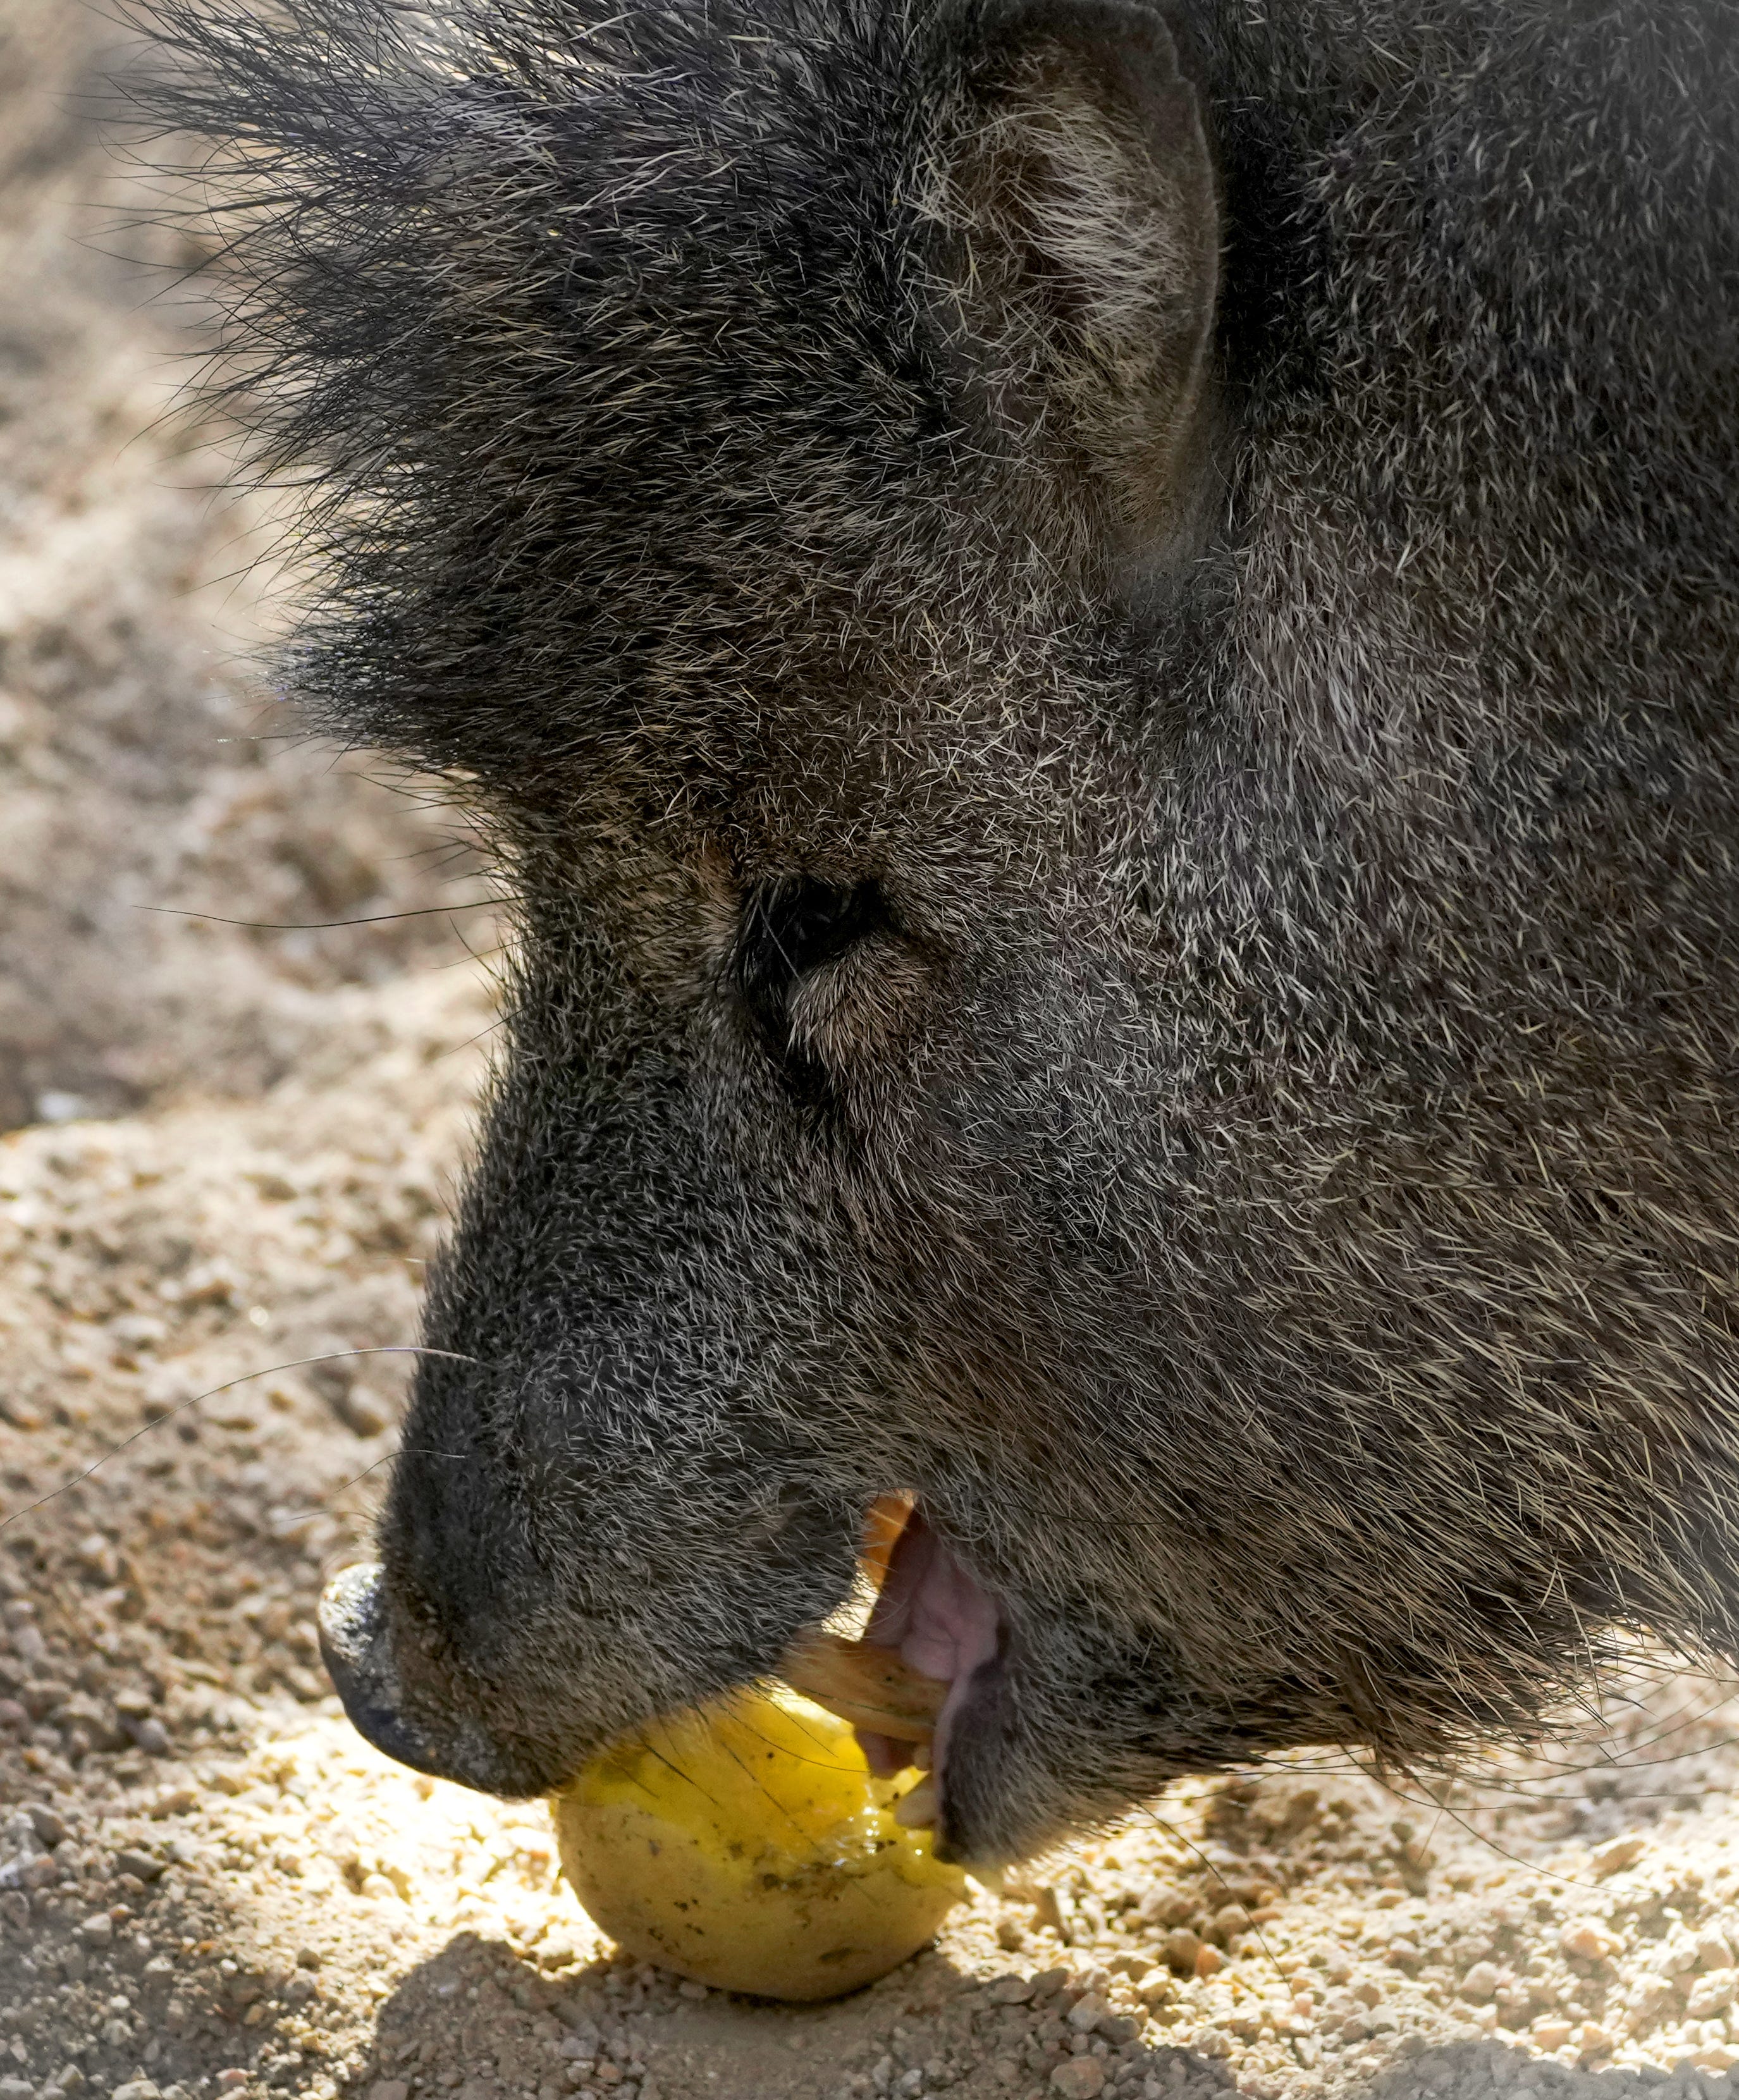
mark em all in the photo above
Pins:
pixel 872 1686
pixel 916 1811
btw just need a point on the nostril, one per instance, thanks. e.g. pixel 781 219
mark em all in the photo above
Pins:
pixel 443 1739
pixel 352 1618
pixel 350 1614
pixel 358 1659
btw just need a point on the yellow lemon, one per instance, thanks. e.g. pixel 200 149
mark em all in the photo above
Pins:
pixel 746 1845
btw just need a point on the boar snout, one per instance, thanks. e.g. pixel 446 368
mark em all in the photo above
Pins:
pixel 361 1658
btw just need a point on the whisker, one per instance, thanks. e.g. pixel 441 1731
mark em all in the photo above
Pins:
pixel 286 1524
pixel 268 1370
pixel 319 925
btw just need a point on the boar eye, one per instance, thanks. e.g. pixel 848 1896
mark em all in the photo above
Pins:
pixel 792 925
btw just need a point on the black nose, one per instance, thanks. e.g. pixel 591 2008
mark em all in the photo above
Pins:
pixel 356 1646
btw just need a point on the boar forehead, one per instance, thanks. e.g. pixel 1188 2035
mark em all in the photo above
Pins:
pixel 645 324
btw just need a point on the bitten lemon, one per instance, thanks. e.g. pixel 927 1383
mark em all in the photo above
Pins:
pixel 746 1845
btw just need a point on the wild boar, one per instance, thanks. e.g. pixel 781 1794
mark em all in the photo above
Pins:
pixel 1098 642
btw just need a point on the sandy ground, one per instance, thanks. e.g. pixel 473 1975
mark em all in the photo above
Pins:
pixel 230 1151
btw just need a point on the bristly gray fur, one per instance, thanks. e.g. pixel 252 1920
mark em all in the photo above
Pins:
pixel 1203 548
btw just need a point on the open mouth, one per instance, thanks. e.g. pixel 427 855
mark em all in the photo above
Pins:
pixel 937 1627
pixel 908 1686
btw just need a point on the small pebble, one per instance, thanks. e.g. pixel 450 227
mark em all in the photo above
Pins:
pixel 1081 2078
pixel 1481 1982
pixel 50 1831
pixel 1588 1938
pixel 1712 1994
pixel 1618 1853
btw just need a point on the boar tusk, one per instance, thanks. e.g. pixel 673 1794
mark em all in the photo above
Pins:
pixel 918 1809
pixel 871 1687
pixel 881 1533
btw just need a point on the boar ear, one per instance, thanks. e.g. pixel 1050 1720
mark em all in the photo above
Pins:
pixel 1080 228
